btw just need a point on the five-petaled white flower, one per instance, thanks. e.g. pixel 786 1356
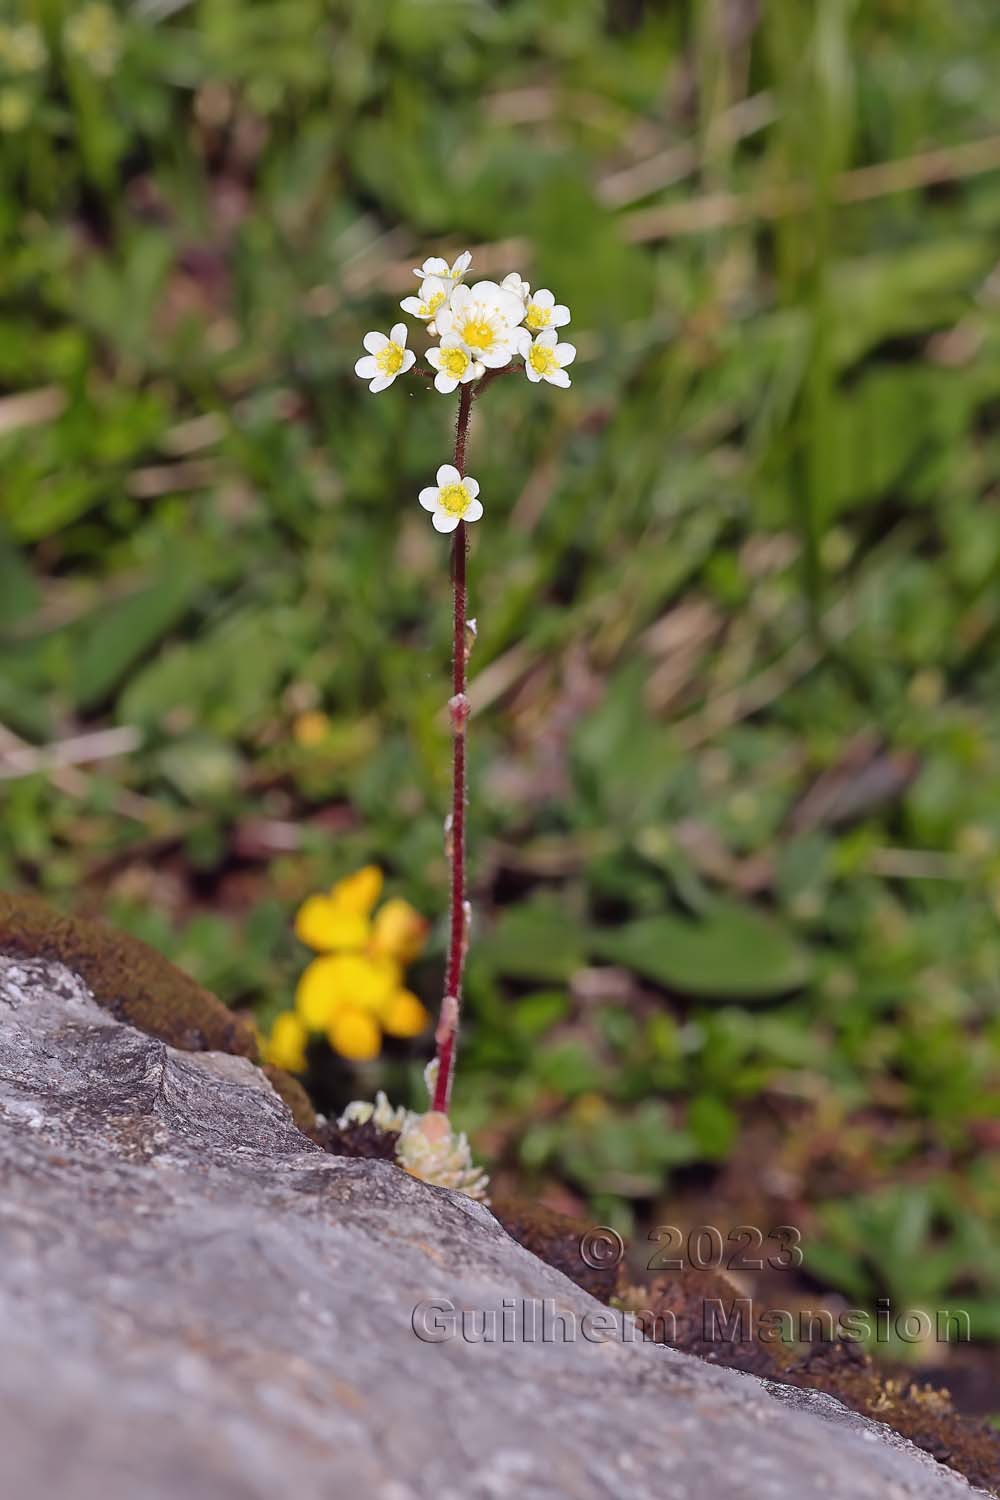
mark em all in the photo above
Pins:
pixel 454 364
pixel 386 358
pixel 454 498
pixel 438 266
pixel 485 318
pixel 543 311
pixel 545 358
pixel 434 293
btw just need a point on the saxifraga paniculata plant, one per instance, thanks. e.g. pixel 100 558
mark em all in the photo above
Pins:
pixel 483 331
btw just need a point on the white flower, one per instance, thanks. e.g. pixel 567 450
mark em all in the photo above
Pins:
pixel 434 293
pixel 386 358
pixel 545 359
pixel 454 364
pixel 452 499
pixel 513 283
pixel 543 311
pixel 428 1148
pixel 485 319
pixel 436 266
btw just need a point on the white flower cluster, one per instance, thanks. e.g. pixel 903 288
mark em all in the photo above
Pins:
pixel 427 1147
pixel 479 328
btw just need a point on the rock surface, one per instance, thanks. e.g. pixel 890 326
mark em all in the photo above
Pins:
pixel 198 1301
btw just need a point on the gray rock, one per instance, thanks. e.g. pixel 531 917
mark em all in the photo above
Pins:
pixel 197 1301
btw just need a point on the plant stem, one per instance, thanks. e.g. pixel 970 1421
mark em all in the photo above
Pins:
pixel 447 1032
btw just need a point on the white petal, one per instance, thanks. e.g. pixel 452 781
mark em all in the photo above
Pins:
pixel 521 340
pixel 433 266
pixel 451 341
pixel 548 336
pixel 560 378
pixel 472 485
pixel 532 375
pixel 442 520
pixel 543 298
pixel 472 372
pixel 459 297
pixel 510 306
pixel 381 383
pixel 462 263
pixel 474 511
pixel 444 383
pixel 433 358
pixel 447 474
pixel 398 334
pixel 445 319
pixel 409 360
pixel 497 357
pixel 428 498
pixel 415 306
pixel 366 367
pixel 565 353
pixel 374 342
pixel 560 315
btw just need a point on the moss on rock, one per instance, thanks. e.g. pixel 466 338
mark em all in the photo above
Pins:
pixel 132 981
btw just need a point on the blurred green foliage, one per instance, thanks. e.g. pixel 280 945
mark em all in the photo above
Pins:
pixel 736 761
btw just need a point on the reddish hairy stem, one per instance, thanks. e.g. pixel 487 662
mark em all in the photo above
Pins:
pixel 447 1035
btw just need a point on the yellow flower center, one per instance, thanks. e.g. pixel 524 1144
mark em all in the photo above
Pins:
pixel 542 359
pixel 454 362
pixel 431 305
pixel 478 334
pixel 455 499
pixel 390 359
pixel 537 317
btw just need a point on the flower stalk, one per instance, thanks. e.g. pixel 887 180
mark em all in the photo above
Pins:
pixel 481 331
pixel 458 707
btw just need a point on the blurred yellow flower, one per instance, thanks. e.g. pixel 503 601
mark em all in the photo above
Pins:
pixel 398 931
pixel 358 980
pixel 353 992
pixel 286 1046
pixel 355 1035
pixel 323 925
pixel 403 1015
pixel 310 728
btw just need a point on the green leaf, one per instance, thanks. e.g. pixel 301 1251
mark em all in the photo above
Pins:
pixel 713 1125
pixel 123 632
pixel 733 952
pixel 534 941
pixel 19 593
